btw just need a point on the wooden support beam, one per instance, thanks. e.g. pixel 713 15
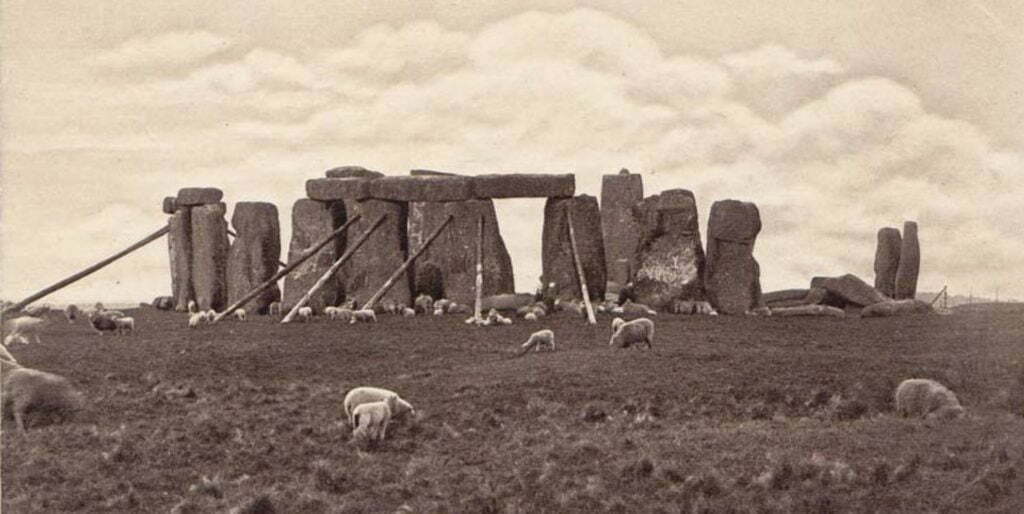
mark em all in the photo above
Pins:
pixel 401 269
pixel 287 269
pixel 333 269
pixel 88 271
pixel 478 303
pixel 579 266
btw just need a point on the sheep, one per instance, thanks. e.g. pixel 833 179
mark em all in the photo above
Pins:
pixel 196 319
pixel 424 304
pixel 331 312
pixel 363 315
pixel 20 329
pixel 537 340
pixel 635 309
pixel 241 315
pixel 443 305
pixel 572 306
pixel 389 306
pixel 28 390
pixel 192 307
pixel 305 313
pixel 409 312
pixel 629 333
pixel 349 304
pixel 459 308
pixel 103 322
pixel 924 398
pixel 370 420
pixel 274 309
pixel 530 316
pixel 438 311
pixel 124 324
pixel 71 312
pixel 366 394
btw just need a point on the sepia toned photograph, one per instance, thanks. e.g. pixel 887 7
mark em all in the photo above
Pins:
pixel 512 257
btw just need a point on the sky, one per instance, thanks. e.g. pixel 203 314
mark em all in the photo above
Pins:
pixel 835 118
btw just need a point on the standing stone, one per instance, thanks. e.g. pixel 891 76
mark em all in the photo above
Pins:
pixel 209 256
pixel 910 263
pixel 448 267
pixel 380 255
pixel 253 256
pixel 311 222
pixel 620 231
pixel 557 263
pixel 733 280
pixel 179 242
pixel 669 261
pixel 887 260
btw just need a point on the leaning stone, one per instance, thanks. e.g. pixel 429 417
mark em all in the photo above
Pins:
pixel 620 231
pixel 254 254
pixel 335 189
pixel 558 266
pixel 896 308
pixel 733 280
pixel 311 222
pixel 380 255
pixel 179 242
pixel 887 260
pixel 669 261
pixel 910 263
pixel 352 172
pixel 809 310
pixel 422 188
pixel 199 196
pixel 170 204
pixel 521 185
pixel 850 290
pixel 209 256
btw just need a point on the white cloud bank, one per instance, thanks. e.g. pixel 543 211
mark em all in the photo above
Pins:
pixel 828 157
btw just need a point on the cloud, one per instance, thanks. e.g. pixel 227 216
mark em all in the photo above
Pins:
pixel 171 49
pixel 773 79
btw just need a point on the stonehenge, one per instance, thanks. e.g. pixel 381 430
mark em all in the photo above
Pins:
pixel 733 277
pixel 311 221
pixel 618 227
pixel 197 247
pixel 668 263
pixel 559 274
pixel 253 256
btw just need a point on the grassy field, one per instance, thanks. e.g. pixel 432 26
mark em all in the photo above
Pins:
pixel 731 414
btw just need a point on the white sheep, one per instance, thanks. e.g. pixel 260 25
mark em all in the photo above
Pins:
pixel 124 324
pixel 537 340
pixel 370 420
pixel 424 304
pixel 924 398
pixel 409 312
pixel 196 319
pixel 389 306
pixel 71 312
pixel 192 307
pixel 363 315
pixel 240 314
pixel 530 316
pixel 305 313
pixel 28 390
pixel 21 329
pixel 635 332
pixel 366 394
pixel 438 311
pixel 443 305
pixel 349 304
pixel 331 312
pixel 274 309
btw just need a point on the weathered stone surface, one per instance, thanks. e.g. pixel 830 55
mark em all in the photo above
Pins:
pixel 422 188
pixel 910 263
pixel 733 280
pixel 809 310
pixel 335 189
pixel 179 242
pixel 253 256
pixel 896 308
pixel 521 185
pixel 209 256
pixel 887 260
pixel 199 196
pixel 352 172
pixel 380 255
pixel 431 173
pixel 784 295
pixel 849 289
pixel 619 193
pixel 311 222
pixel 793 297
pixel 447 269
pixel 557 263
pixel 170 204
pixel 506 302
pixel 669 261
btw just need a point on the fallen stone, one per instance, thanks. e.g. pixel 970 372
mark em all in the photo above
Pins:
pixel 506 302
pixel 209 256
pixel 620 231
pixel 887 260
pixel 557 264
pixel 910 263
pixel 669 261
pixel 896 308
pixel 813 296
pixel 254 254
pixel 170 204
pixel 733 279
pixel 179 242
pixel 524 186
pixel 335 189
pixel 447 269
pixel 380 255
pixel 784 295
pixel 422 188
pixel 311 222
pixel 199 196
pixel 809 310
pixel 850 290
pixel 352 172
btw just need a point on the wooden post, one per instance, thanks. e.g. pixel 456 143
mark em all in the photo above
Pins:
pixel 401 269
pixel 937 296
pixel 287 269
pixel 88 271
pixel 478 303
pixel 234 235
pixel 579 266
pixel 333 269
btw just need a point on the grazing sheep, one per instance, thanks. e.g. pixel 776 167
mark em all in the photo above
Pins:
pixel 103 322
pixel 616 323
pixel 636 309
pixel 196 319
pixel 366 394
pixel 274 309
pixel 20 329
pixel 192 307
pixel 438 311
pixel 331 312
pixel 71 312
pixel 443 305
pixel 629 333
pixel 530 316
pixel 409 312
pixel 28 391
pixel 389 306
pixel 240 314
pixel 458 308
pixel 537 340
pixel 924 398
pixel 370 420
pixel 363 315
pixel 124 324
pixel 305 313
pixel 424 304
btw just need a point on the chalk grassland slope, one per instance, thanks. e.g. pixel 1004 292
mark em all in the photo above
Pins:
pixel 751 414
